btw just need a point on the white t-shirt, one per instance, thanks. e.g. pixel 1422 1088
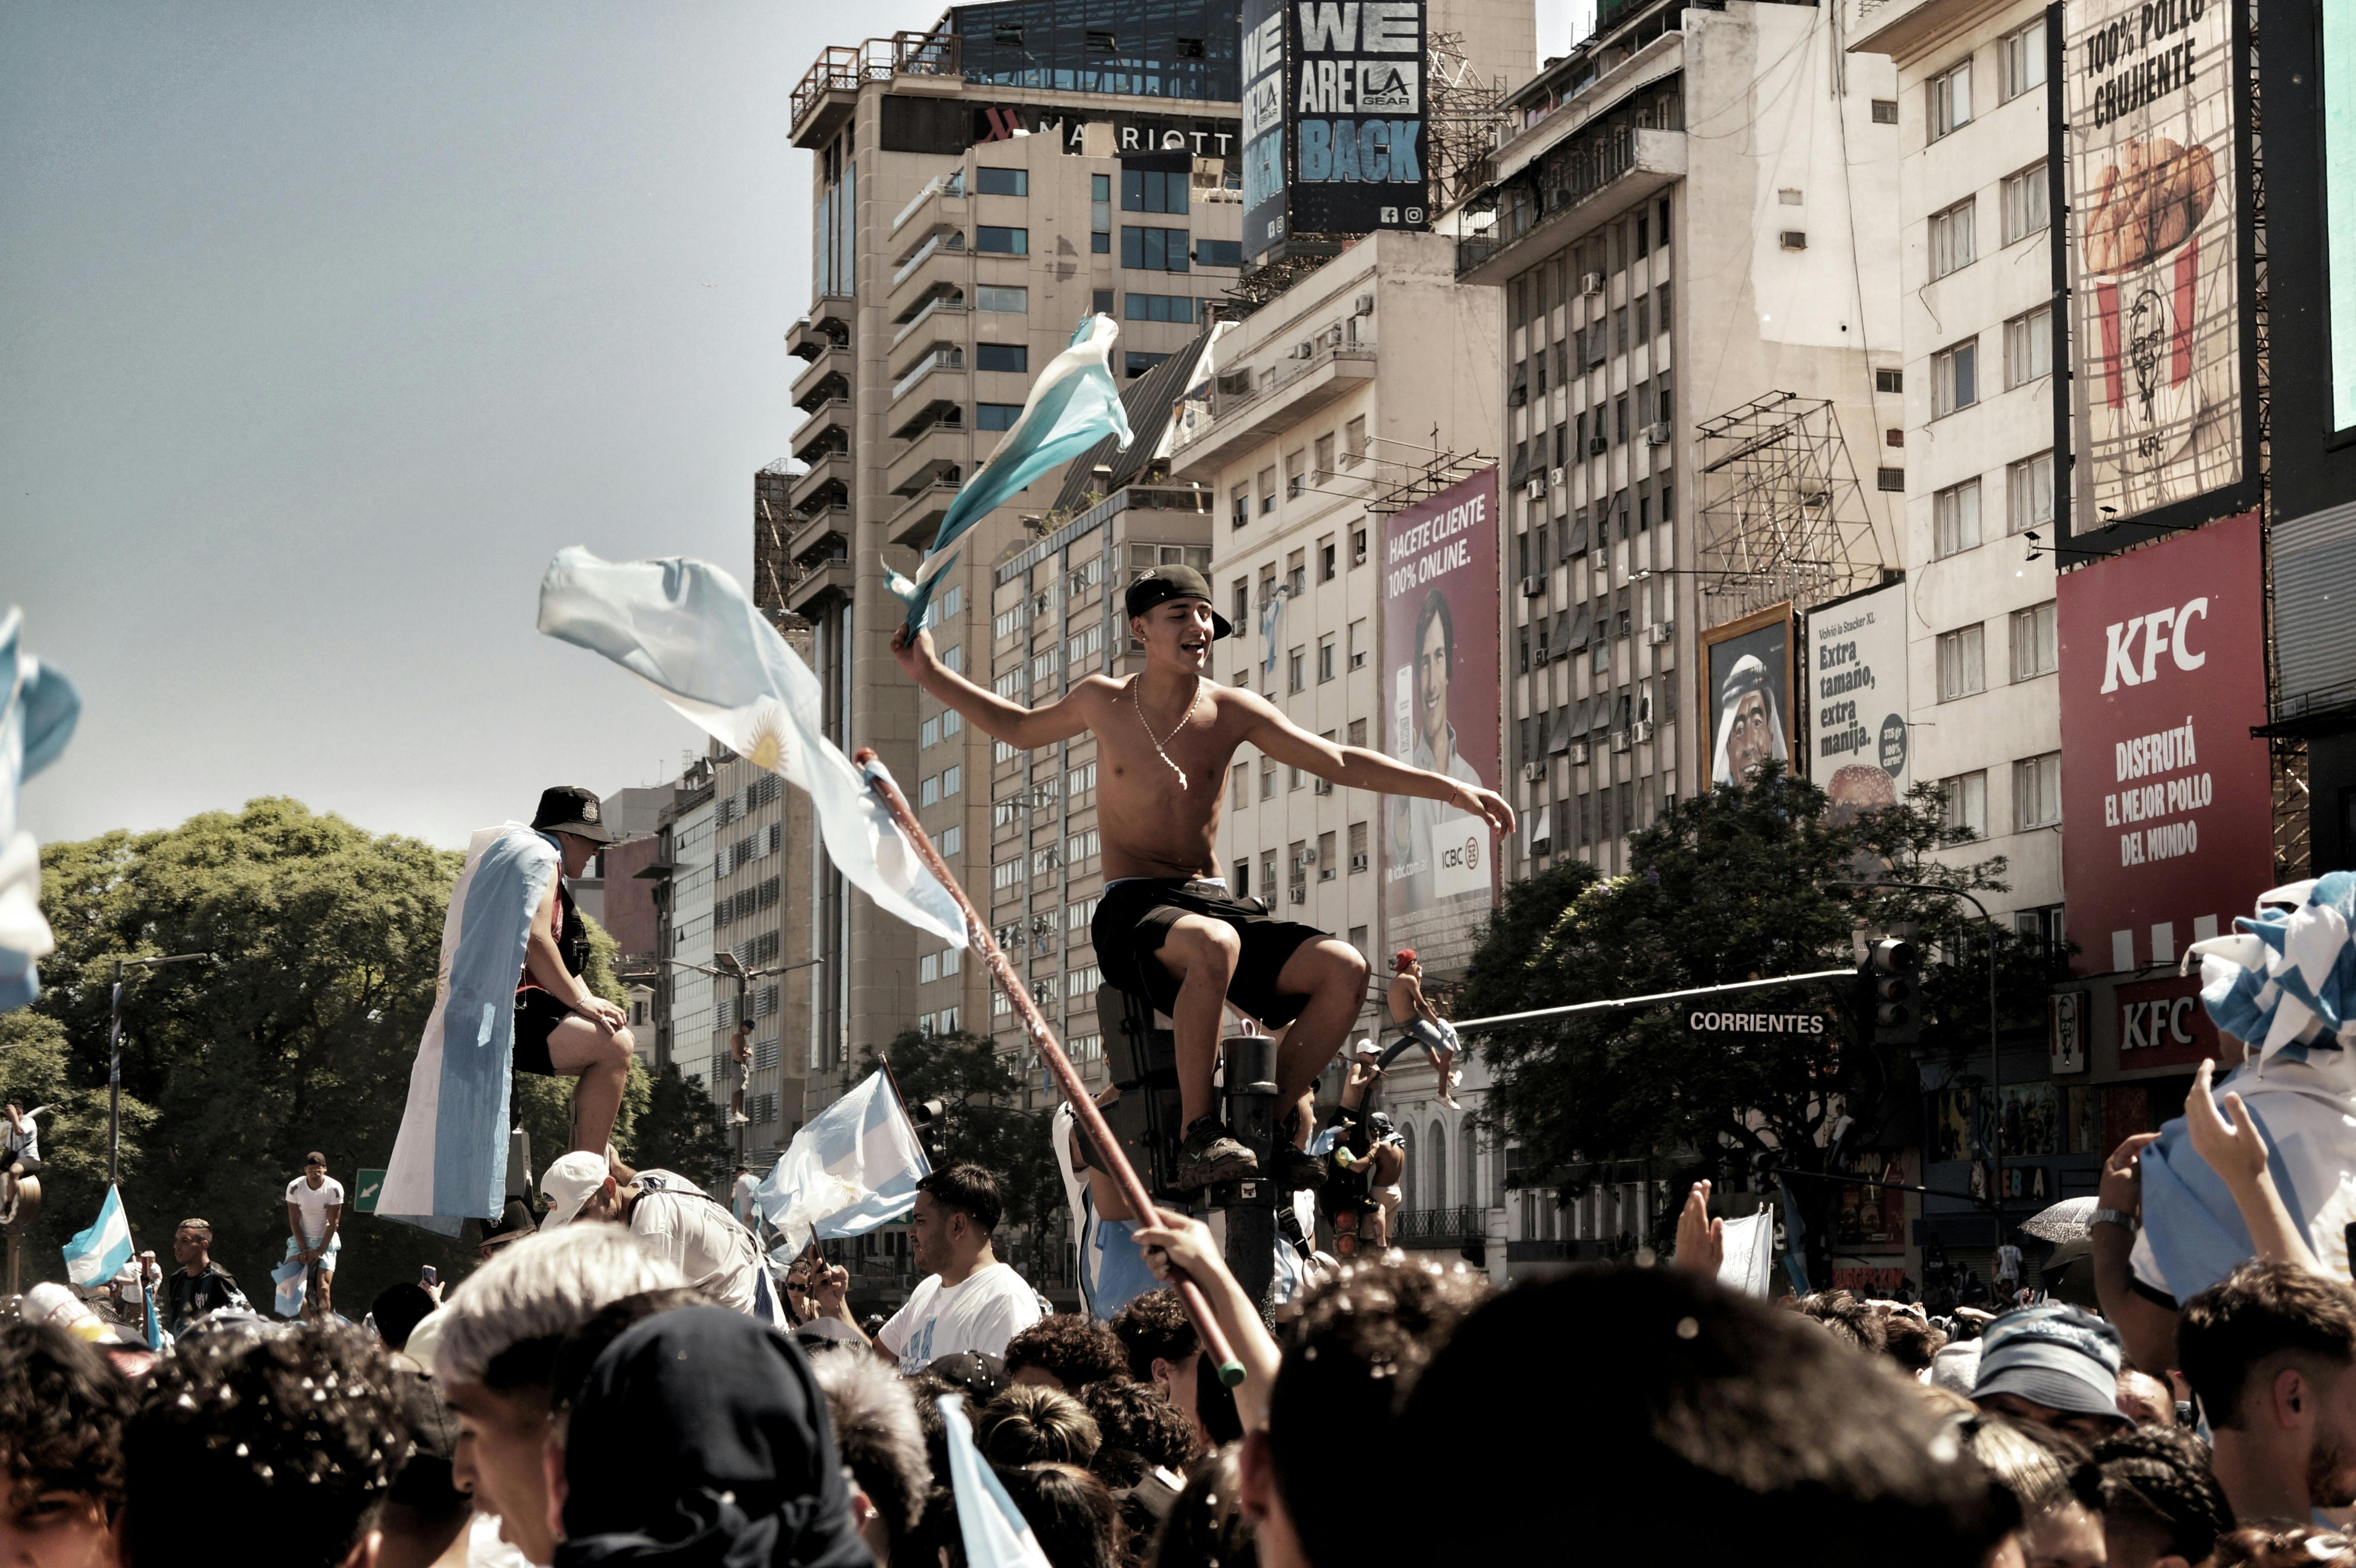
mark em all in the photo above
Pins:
pixel 315 1203
pixel 990 1307
pixel 2007 1261
pixel 674 1219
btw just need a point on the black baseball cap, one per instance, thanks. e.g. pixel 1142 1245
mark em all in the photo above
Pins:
pixel 569 809
pixel 1164 584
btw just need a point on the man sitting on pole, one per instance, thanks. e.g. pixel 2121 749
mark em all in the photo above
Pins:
pixel 1167 926
pixel 562 1028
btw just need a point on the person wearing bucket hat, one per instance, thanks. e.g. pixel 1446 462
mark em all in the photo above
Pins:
pixel 2053 1365
pixel 562 1028
pixel 1168 928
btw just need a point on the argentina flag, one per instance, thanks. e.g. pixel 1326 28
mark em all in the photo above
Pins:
pixel 853 1168
pixel 96 1255
pixel 990 1528
pixel 1073 405
pixel 687 629
pixel 36 719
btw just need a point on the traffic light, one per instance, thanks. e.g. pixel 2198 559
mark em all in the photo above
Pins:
pixel 1892 980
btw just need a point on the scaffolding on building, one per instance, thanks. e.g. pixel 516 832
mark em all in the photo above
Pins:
pixel 1401 482
pixel 1782 515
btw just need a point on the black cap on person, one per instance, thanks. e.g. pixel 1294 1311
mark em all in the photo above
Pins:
pixel 1164 584
pixel 569 809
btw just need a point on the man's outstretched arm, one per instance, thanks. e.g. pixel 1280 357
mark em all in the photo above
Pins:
pixel 1000 720
pixel 1354 767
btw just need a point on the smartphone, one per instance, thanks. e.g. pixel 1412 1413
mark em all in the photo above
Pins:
pixel 428 1275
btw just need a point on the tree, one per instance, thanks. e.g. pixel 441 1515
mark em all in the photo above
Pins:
pixel 981 1120
pixel 1731 885
pixel 680 1130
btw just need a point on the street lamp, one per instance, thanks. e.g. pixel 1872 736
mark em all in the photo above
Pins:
pixel 728 966
pixel 114 1048
pixel 1995 1071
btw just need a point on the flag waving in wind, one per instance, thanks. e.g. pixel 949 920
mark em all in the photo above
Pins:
pixel 38 710
pixel 1073 405
pixel 854 1167
pixel 687 629
pixel 96 1255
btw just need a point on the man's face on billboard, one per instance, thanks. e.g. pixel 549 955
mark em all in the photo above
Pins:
pixel 1432 681
pixel 1750 742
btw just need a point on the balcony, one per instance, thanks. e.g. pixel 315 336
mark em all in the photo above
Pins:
pixel 941 202
pixel 941 265
pixel 1239 420
pixel 830 474
pixel 917 520
pixel 828 92
pixel 1620 170
pixel 828 325
pixel 834 386
pixel 935 307
pixel 1440 1228
pixel 941 453
pixel 820 534
pixel 833 360
pixel 813 584
pixel 828 428
pixel 943 358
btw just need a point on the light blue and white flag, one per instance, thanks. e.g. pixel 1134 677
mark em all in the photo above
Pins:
pixel 853 1168
pixel 287 1287
pixel 994 1532
pixel 686 629
pixel 98 1255
pixel 449 1160
pixel 1073 405
pixel 1271 616
pixel 37 712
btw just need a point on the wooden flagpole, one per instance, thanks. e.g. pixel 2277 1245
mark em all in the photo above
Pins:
pixel 1084 1107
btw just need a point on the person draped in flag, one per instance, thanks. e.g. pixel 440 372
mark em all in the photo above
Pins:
pixel 1168 926
pixel 562 1028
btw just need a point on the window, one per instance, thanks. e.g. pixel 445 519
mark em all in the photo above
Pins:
pixel 1951 237
pixel 1153 249
pixel 1962 668
pixel 1296 668
pixel 1013 356
pixel 1955 519
pixel 1100 214
pixel 928 733
pixel 1296 565
pixel 2022 57
pixel 1661 309
pixel 952 781
pixel 2029 347
pixel 1890 380
pixel 1357 546
pixel 1153 190
pixel 988 181
pixel 998 297
pixel 1954 379
pixel 1239 786
pixel 1951 100
pixel 995 241
pixel 1240 510
pixel 2028 493
pixel 2037 791
pixel 1322 468
pixel 1357 847
pixel 1101 301
pixel 1885 111
pixel 1158 307
pixel 1357 645
pixel 929 792
pixel 1267 495
pixel 2026 208
pixel 1356 735
pixel 1326 870
pixel 1354 442
pixel 1267 780
pixel 1893 480
pixel 996 416
pixel 1966 803
pixel 2041 927
pixel 1324 659
pixel 2033 642
pixel 952 840
pixel 1006 873
pixel 1218 254
pixel 1134 364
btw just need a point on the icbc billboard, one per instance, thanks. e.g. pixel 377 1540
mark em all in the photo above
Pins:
pixel 2167 811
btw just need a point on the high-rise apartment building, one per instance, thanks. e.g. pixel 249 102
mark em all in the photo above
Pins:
pixel 980 190
pixel 1692 221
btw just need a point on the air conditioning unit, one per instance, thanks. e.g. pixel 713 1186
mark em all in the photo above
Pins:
pixel 1308 856
pixel 1591 284
pixel 1536 486
pixel 1533 773
pixel 1578 753
pixel 1304 350
pixel 1533 586
pixel 1358 862
pixel 1795 239
pixel 1640 731
pixel 1324 786
pixel 1553 477
pixel 1298 894
pixel 1596 446
pixel 1334 335
pixel 1363 305
pixel 1619 741
pixel 1658 432
pixel 1659 633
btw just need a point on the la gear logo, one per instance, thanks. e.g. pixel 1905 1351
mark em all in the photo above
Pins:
pixel 2162 630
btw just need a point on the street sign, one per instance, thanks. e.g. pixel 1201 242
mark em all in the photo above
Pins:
pixel 366 1185
pixel 1813 1025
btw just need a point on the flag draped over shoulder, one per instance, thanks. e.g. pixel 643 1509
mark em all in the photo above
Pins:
pixel 1073 405
pixel 96 1255
pixel 991 1529
pixel 687 629
pixel 450 1160
pixel 2285 984
pixel 37 711
pixel 854 1167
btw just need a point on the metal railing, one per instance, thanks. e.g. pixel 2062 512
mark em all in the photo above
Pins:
pixel 1438 1227
pixel 938 359
pixel 953 240
pixel 1225 404
pixel 934 306
pixel 952 184
pixel 844 68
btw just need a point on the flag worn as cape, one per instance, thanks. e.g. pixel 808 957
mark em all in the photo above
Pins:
pixel 854 1167
pixel 1073 405
pixel 687 629
pixel 96 1255
pixel 450 1160
pixel 38 709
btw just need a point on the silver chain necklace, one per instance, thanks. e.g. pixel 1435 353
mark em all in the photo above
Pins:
pixel 1134 701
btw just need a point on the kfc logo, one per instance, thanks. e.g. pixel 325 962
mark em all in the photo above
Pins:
pixel 2162 632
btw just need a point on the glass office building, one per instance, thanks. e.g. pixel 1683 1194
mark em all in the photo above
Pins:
pixel 1152 48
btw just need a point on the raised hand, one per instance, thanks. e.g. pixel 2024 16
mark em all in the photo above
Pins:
pixel 2233 1149
pixel 1701 1241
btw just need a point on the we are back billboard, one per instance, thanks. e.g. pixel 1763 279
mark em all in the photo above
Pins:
pixel 2166 802
pixel 1334 118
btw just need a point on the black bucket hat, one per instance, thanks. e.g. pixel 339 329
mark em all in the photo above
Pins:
pixel 569 809
pixel 1164 584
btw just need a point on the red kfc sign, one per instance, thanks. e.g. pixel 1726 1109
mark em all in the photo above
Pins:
pixel 2166 807
pixel 2163 1024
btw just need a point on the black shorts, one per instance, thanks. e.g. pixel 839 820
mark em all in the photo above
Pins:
pixel 1133 919
pixel 537 1014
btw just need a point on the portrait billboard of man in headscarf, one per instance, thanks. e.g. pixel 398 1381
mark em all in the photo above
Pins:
pixel 1749 722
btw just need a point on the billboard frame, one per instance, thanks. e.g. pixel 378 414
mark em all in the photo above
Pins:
pixel 2245 493
pixel 1788 613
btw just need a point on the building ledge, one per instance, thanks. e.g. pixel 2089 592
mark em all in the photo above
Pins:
pixel 1649 163
pixel 1243 419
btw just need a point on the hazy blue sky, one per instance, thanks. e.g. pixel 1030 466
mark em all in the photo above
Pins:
pixel 326 326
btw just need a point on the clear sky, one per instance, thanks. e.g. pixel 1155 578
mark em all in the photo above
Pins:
pixel 326 326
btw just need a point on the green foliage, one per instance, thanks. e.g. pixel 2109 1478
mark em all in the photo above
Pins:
pixel 37 1070
pixel 1732 885
pixel 981 1119
pixel 679 1129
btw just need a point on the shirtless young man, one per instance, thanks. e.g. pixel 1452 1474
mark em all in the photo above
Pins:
pixel 1166 924
pixel 1413 1012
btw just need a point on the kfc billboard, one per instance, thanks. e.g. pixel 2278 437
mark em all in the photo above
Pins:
pixel 1440 640
pixel 2166 802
